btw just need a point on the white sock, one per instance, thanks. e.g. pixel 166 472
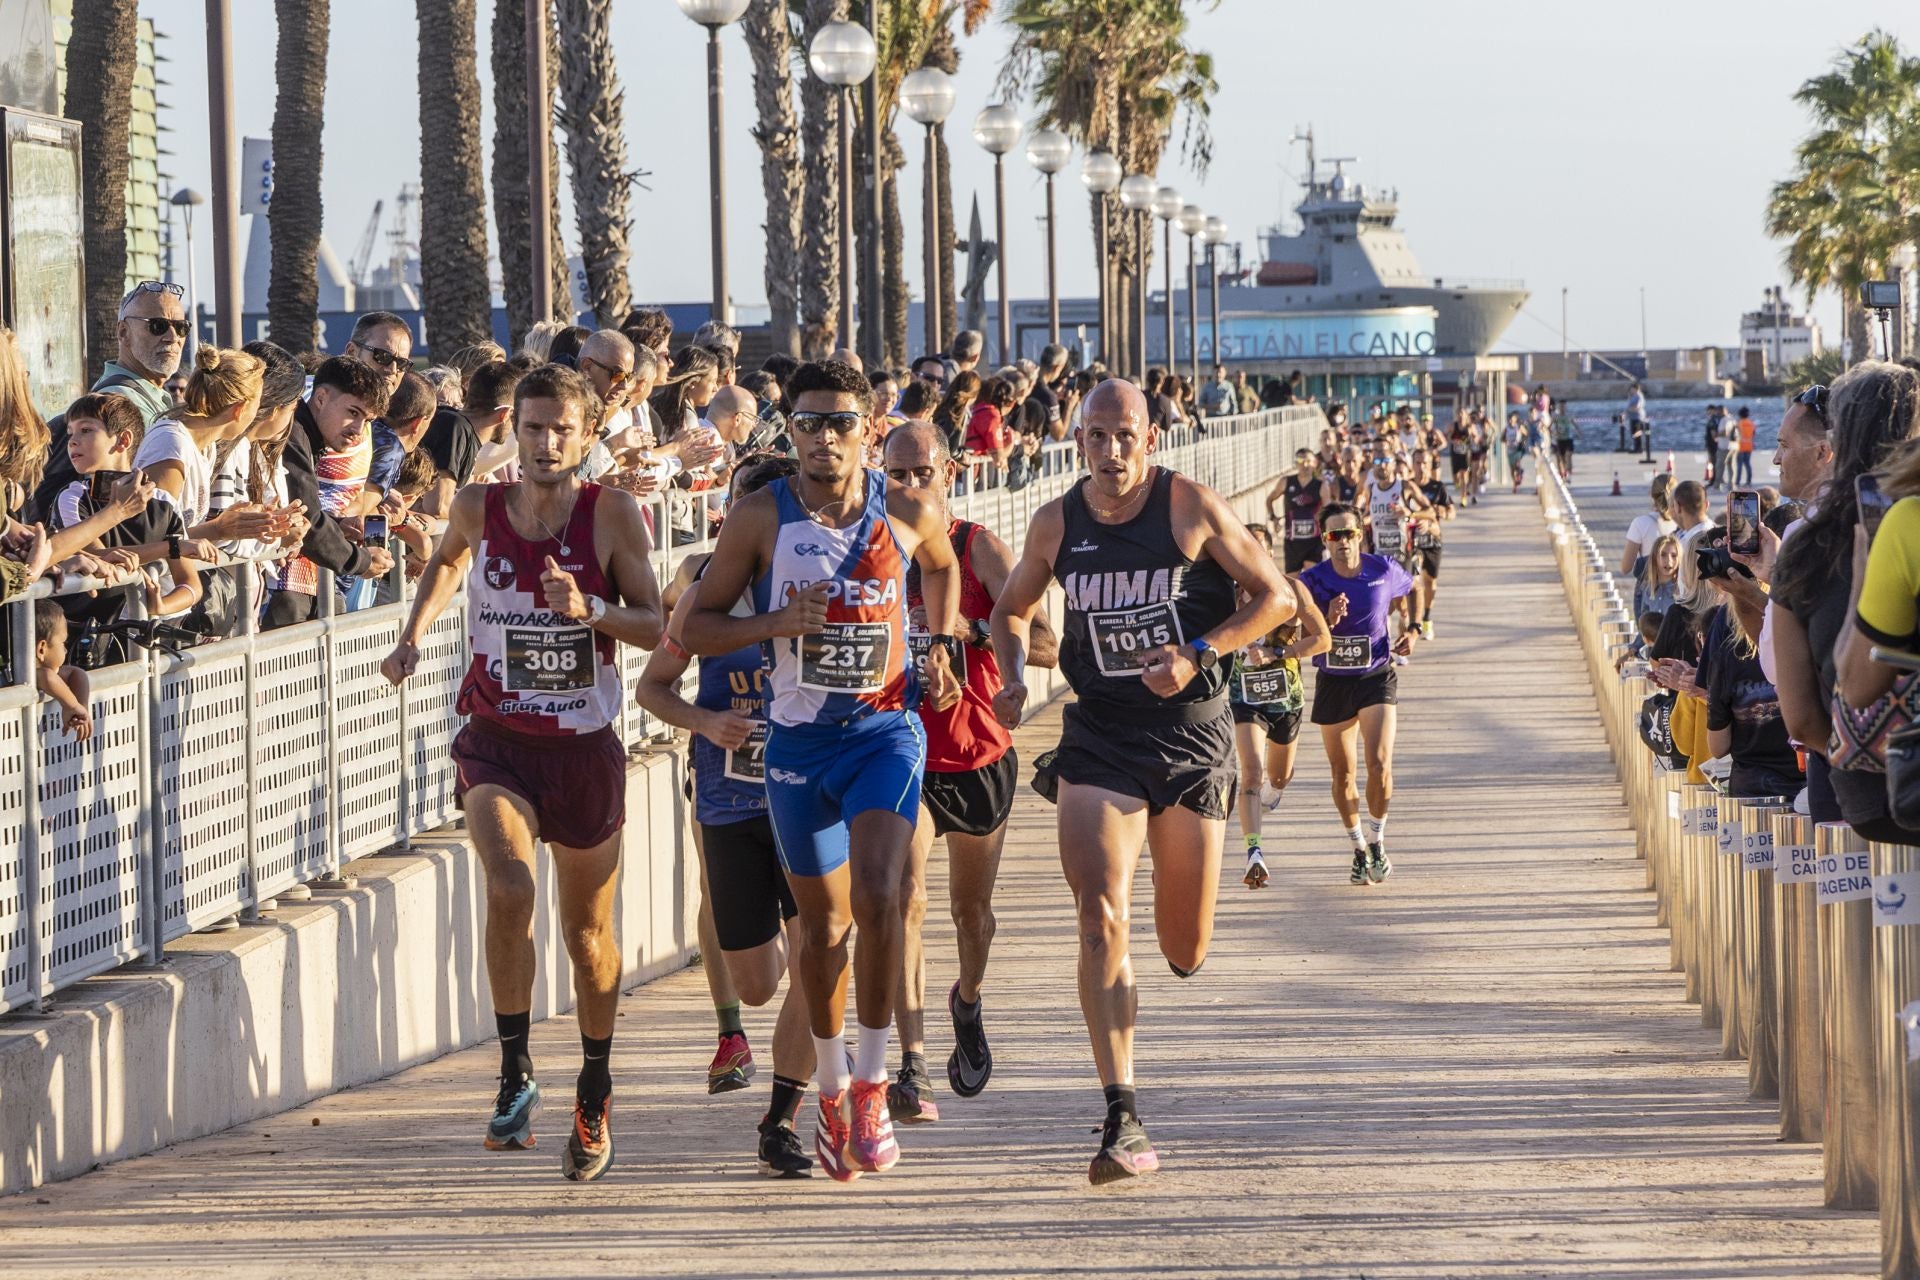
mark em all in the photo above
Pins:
pixel 830 1063
pixel 1353 834
pixel 1376 829
pixel 870 1055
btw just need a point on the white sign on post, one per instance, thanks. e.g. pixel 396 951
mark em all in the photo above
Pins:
pixel 1845 877
pixel 1795 864
pixel 1896 899
pixel 1756 851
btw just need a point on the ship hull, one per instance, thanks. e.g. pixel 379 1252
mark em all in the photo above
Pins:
pixel 1467 322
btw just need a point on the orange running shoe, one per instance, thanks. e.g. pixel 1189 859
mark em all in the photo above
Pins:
pixel 732 1064
pixel 870 1147
pixel 590 1145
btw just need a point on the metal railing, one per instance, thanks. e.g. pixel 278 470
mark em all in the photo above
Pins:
pixel 1792 935
pixel 225 774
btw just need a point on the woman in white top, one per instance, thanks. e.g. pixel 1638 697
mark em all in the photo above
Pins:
pixel 219 405
pixel 1649 526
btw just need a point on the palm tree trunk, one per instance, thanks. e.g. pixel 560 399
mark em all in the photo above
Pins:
pixel 591 113
pixel 453 198
pixel 777 130
pixel 100 65
pixel 893 268
pixel 510 172
pixel 819 217
pixel 295 210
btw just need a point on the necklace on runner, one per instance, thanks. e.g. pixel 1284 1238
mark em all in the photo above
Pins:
pixel 819 516
pixel 1110 512
pixel 547 529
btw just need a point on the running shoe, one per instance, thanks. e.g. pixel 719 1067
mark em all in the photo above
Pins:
pixel 971 1064
pixel 910 1098
pixel 782 1154
pixel 1125 1152
pixel 732 1065
pixel 590 1145
pixel 511 1128
pixel 1378 865
pixel 1256 877
pixel 1359 875
pixel 831 1133
pixel 1426 630
pixel 870 1145
pixel 1270 797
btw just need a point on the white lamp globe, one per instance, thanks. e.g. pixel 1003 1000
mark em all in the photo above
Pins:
pixel 1192 220
pixel 1167 203
pixel 1137 191
pixel 997 129
pixel 1101 172
pixel 928 95
pixel 713 13
pixel 842 53
pixel 1216 232
pixel 1048 150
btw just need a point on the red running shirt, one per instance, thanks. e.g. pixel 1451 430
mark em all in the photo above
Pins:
pixel 965 736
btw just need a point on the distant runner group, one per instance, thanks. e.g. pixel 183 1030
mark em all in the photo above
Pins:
pixel 862 663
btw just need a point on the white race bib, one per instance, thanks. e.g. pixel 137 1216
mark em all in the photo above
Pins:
pixel 847 657
pixel 1350 653
pixel 1122 638
pixel 549 659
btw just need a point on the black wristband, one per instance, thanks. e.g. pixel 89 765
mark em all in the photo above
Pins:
pixel 173 546
pixel 956 653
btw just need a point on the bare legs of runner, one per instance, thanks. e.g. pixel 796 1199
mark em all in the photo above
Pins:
pixel 1375 729
pixel 973 864
pixel 864 891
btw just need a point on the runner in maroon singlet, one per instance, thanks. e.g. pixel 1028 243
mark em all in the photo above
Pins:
pixel 558 573
pixel 972 774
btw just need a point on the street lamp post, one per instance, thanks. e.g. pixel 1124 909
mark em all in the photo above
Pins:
pixel 1193 220
pixel 843 54
pixel 185 199
pixel 928 96
pixel 997 129
pixel 1101 175
pixel 539 180
pixel 1166 206
pixel 713 15
pixel 1136 193
pixel 1214 235
pixel 1048 150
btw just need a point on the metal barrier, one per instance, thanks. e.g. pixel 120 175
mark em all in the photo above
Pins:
pixel 239 770
pixel 1801 944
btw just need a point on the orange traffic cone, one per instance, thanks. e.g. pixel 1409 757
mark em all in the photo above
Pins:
pixel 1616 484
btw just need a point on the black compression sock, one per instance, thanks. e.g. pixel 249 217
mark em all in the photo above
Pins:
pixel 515 1028
pixel 1120 1104
pixel 914 1062
pixel 785 1103
pixel 596 1073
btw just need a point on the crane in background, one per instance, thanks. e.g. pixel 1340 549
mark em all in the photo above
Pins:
pixel 362 260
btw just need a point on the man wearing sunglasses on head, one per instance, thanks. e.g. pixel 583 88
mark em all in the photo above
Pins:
pixel 151 336
pixel 1357 687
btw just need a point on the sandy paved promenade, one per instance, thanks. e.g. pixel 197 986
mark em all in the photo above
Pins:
pixel 1481 1068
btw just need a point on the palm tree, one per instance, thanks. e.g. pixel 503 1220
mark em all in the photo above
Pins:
pixel 1854 198
pixel 510 170
pixel 590 111
pixel 101 56
pixel 943 53
pixel 820 196
pixel 769 33
pixel 453 197
pixel 294 210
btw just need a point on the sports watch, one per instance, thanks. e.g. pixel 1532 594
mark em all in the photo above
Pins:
pixel 1205 656
pixel 956 654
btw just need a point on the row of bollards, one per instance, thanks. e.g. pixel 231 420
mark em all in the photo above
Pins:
pixel 1799 942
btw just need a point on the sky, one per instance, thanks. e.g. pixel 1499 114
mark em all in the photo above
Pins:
pixel 1604 151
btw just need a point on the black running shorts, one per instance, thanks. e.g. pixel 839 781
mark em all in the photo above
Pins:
pixel 1301 552
pixel 745 885
pixel 1282 727
pixel 1188 765
pixel 974 802
pixel 1338 699
pixel 1427 561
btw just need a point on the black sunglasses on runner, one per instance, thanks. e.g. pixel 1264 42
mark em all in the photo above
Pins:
pixel 1815 398
pixel 841 424
pixel 157 325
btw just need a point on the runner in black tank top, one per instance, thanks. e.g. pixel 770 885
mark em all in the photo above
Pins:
pixel 1150 562
pixel 1298 498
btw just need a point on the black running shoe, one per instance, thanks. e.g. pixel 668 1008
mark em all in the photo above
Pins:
pixel 590 1145
pixel 1378 865
pixel 1359 875
pixel 1124 1153
pixel 782 1154
pixel 910 1098
pixel 970 1065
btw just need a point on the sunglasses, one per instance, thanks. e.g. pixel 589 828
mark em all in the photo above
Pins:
pixel 841 424
pixel 1815 398
pixel 157 326
pixel 383 357
pixel 1340 535
pixel 619 376
pixel 154 286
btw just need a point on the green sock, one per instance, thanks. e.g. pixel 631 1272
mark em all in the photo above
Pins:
pixel 729 1016
pixel 1253 842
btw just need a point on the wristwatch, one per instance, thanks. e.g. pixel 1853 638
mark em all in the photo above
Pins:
pixel 596 610
pixel 980 633
pixel 1205 656
pixel 173 546
pixel 956 654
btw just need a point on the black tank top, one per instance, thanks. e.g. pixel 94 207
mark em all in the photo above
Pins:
pixel 1303 510
pixel 1130 590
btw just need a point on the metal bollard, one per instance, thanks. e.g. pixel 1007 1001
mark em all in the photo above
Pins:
pixel 1850 1127
pixel 1728 930
pixel 1759 959
pixel 1664 814
pixel 1796 945
pixel 1896 1015
pixel 1694 815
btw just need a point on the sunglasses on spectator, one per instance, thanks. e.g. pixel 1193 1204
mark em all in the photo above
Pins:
pixel 383 357
pixel 157 325
pixel 1815 398
pixel 154 286
pixel 619 376
pixel 841 424
pixel 1339 535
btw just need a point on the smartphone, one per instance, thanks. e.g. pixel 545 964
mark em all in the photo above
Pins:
pixel 374 531
pixel 1743 522
pixel 1872 503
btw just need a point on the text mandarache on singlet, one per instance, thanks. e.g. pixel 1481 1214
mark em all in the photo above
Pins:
pixel 535 671
pixel 1130 590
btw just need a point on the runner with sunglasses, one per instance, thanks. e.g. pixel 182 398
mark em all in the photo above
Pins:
pixel 1357 686
pixel 1298 498
pixel 823 556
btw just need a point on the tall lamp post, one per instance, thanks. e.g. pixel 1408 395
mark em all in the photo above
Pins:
pixel 928 96
pixel 1048 150
pixel 1136 193
pixel 713 15
pixel 843 54
pixel 1193 220
pixel 1101 175
pixel 184 200
pixel 1166 206
pixel 997 129
pixel 1214 235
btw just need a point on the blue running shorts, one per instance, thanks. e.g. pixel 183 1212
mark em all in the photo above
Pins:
pixel 820 777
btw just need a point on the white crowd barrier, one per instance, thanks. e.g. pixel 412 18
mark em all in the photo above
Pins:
pixel 230 773
pixel 1796 939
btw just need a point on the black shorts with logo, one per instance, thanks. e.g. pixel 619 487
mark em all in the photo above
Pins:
pixel 1338 699
pixel 746 886
pixel 1282 727
pixel 973 802
pixel 1169 763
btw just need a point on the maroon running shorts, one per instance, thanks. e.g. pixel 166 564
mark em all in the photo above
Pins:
pixel 577 785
